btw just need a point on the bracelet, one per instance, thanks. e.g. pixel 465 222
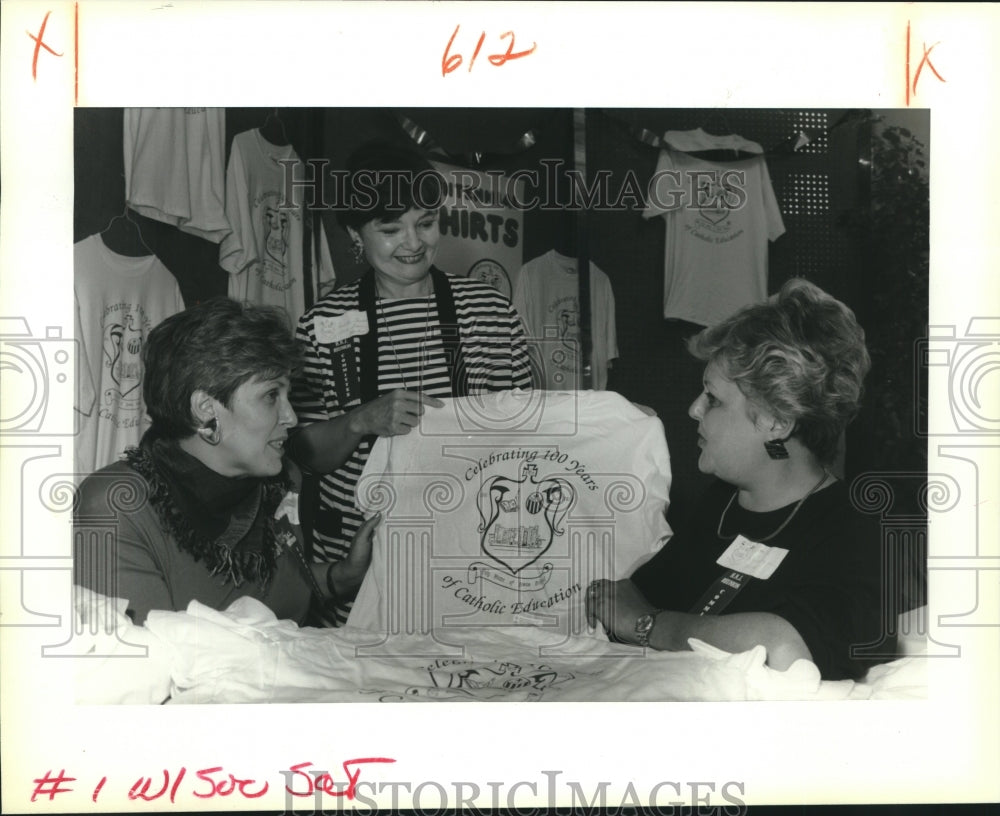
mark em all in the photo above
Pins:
pixel 334 596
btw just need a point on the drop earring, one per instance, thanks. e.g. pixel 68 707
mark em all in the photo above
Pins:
pixel 210 432
pixel 776 449
pixel 358 251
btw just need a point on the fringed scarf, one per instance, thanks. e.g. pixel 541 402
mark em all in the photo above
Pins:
pixel 226 523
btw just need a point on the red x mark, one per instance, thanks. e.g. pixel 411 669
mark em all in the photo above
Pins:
pixel 925 60
pixel 39 45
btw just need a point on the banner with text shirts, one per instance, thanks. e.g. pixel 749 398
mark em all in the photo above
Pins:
pixel 501 509
pixel 482 232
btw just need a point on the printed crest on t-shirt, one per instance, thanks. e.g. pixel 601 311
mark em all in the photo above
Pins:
pixel 519 520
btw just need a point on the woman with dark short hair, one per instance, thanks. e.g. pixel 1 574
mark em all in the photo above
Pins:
pixel 382 348
pixel 203 508
pixel 776 554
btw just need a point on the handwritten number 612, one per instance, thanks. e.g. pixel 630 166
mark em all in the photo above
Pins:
pixel 450 62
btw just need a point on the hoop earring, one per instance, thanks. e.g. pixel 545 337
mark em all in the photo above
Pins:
pixel 358 251
pixel 210 432
pixel 776 449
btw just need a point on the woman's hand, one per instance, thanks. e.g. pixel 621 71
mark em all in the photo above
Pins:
pixel 392 414
pixel 348 573
pixel 616 605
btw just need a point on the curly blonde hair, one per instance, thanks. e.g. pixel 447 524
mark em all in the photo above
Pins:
pixel 801 355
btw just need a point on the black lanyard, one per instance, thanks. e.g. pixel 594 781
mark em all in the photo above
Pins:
pixel 721 593
pixel 450 336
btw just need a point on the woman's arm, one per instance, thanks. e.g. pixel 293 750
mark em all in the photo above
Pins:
pixel 619 604
pixel 735 633
pixel 323 446
pixel 126 568
pixel 329 434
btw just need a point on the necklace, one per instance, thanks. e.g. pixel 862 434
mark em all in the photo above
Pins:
pixel 785 523
pixel 392 342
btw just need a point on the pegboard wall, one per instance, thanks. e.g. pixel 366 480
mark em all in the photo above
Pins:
pixel 813 160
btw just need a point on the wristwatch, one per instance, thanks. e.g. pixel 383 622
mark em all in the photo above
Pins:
pixel 643 627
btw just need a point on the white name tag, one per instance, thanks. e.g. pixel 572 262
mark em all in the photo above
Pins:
pixel 752 558
pixel 341 327
pixel 289 507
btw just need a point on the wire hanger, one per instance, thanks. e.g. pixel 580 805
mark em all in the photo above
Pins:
pixel 716 123
pixel 273 129
pixel 123 236
pixel 715 126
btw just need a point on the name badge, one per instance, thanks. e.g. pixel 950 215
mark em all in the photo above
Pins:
pixel 750 557
pixel 341 327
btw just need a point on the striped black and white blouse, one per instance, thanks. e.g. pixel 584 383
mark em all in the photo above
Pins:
pixel 411 355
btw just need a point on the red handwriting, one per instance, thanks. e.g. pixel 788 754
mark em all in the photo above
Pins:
pixel 322 781
pixel 97 790
pixel 227 785
pixel 140 790
pixel 924 60
pixel 76 53
pixel 217 782
pixel 50 785
pixel 220 788
pixel 451 62
pixel 39 45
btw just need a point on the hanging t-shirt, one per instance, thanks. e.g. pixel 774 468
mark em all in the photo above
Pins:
pixel 175 167
pixel 547 297
pixel 499 510
pixel 719 217
pixel 119 300
pixel 263 253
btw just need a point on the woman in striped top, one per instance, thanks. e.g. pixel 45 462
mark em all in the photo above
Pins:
pixel 377 351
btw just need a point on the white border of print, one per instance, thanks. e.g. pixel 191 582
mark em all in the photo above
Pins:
pixel 176 53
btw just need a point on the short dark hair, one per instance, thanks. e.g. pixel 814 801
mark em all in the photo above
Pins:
pixel 385 181
pixel 801 355
pixel 216 346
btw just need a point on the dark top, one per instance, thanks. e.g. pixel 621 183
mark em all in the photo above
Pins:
pixel 162 530
pixel 828 586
